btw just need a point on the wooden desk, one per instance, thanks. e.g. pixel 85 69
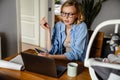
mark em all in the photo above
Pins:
pixel 8 74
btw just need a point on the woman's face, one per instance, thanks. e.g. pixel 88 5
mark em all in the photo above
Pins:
pixel 68 14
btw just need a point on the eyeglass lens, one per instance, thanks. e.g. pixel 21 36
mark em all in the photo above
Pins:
pixel 67 14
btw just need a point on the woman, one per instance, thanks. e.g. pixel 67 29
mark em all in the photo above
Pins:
pixel 69 36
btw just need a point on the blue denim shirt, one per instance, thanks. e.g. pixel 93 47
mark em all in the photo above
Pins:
pixel 78 43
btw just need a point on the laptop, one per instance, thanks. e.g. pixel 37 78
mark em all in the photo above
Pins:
pixel 42 65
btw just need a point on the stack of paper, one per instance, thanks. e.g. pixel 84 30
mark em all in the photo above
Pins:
pixel 15 63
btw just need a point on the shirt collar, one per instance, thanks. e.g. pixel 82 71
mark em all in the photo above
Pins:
pixel 63 27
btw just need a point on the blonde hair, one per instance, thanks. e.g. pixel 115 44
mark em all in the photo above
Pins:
pixel 79 10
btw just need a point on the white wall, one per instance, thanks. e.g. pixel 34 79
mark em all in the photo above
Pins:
pixel 110 10
pixel 8 27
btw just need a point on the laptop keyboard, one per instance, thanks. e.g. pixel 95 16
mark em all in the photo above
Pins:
pixel 60 69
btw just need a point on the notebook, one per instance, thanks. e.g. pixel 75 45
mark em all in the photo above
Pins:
pixel 42 65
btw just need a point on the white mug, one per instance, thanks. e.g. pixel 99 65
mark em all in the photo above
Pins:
pixel 72 69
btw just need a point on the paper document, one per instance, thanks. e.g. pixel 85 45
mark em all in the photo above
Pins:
pixel 17 59
pixel 15 63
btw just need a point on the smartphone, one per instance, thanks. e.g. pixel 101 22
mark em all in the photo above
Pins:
pixel 38 50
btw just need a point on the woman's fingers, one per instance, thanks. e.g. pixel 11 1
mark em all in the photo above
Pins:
pixel 39 54
pixel 44 23
pixel 42 54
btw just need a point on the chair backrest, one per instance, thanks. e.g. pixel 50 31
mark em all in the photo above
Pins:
pixel 97 44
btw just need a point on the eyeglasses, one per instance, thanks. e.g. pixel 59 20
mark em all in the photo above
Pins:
pixel 70 15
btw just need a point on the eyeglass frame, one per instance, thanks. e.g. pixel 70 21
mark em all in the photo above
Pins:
pixel 70 15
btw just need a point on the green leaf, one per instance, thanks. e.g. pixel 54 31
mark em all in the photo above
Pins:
pixel 96 10
pixel 91 9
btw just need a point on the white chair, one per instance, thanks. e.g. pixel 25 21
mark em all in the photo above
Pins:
pixel 89 62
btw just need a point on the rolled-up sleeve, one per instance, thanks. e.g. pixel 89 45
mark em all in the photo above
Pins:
pixel 55 39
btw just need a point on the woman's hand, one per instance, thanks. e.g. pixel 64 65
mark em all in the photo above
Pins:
pixel 44 24
pixel 44 54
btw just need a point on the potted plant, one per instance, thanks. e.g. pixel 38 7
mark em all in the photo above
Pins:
pixel 57 1
pixel 91 10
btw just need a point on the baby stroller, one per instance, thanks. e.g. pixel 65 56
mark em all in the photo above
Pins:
pixel 98 69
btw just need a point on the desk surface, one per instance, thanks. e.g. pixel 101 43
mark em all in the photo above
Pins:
pixel 9 74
